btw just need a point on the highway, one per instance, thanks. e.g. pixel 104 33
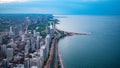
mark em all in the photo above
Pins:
pixel 54 56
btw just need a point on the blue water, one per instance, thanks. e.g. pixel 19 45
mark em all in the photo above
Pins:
pixel 101 49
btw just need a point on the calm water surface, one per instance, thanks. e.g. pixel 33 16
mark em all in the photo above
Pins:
pixel 101 49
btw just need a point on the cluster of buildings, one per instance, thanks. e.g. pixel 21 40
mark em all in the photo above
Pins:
pixel 26 48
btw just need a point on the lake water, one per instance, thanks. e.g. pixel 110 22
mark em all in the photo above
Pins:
pixel 101 49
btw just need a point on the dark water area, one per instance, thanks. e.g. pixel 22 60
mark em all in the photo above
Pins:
pixel 101 49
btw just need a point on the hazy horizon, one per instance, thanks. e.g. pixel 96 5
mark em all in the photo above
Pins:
pixel 63 7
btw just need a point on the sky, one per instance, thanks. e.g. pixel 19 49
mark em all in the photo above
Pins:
pixel 87 7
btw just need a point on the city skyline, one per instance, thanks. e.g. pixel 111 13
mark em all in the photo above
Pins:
pixel 59 33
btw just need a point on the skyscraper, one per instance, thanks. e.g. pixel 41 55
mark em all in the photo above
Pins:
pixel 47 43
pixel 9 53
pixel 4 49
pixel 52 28
pixel 5 63
pixel 37 33
pixel 38 62
pixel 12 44
pixel 33 42
pixel 27 63
pixel 0 39
pixel 34 33
pixel 38 42
pixel 11 31
pixel 23 37
pixel 35 61
pixel 27 46
pixel 20 32
pixel 43 54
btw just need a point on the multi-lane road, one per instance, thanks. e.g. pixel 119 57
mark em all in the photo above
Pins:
pixel 54 55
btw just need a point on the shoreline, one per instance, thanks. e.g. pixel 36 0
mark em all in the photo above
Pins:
pixel 55 59
pixel 66 33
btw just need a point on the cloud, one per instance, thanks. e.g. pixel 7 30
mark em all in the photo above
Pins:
pixel 9 1
pixel 89 0
pixel 92 0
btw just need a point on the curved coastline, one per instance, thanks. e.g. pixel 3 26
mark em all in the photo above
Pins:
pixel 55 59
pixel 63 34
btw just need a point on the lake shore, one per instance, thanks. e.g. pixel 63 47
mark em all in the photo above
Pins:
pixel 55 58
